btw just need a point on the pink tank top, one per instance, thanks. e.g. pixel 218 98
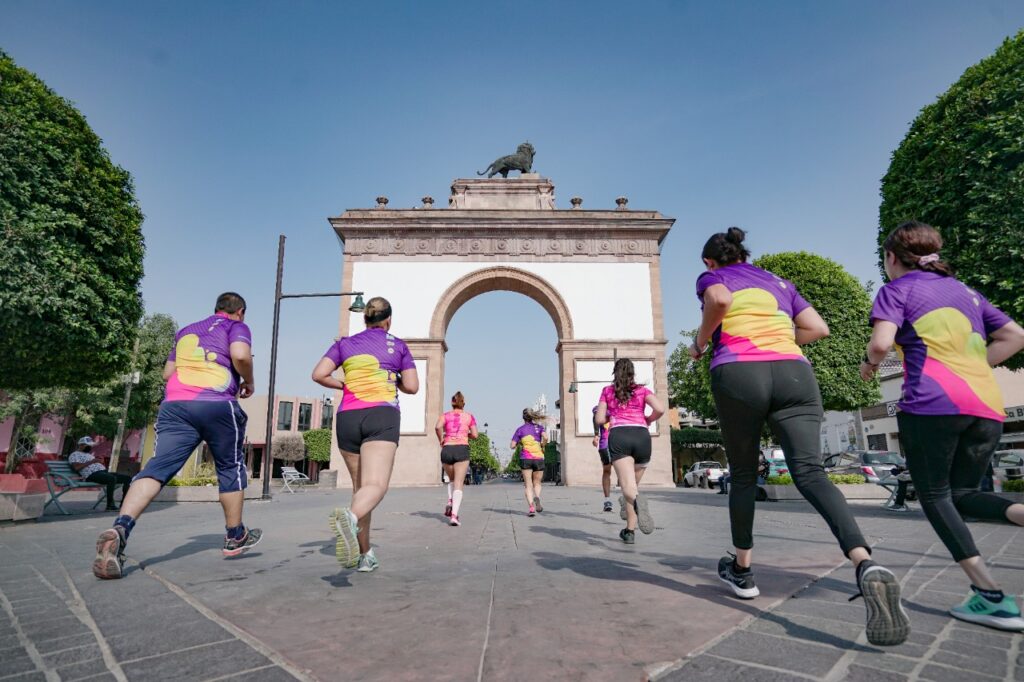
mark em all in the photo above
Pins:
pixel 457 424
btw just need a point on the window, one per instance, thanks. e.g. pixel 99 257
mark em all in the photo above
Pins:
pixel 877 442
pixel 326 416
pixel 284 416
pixel 305 416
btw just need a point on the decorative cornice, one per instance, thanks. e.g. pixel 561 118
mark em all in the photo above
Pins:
pixel 556 245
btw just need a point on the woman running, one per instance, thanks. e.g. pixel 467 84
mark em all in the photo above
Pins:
pixel 601 443
pixel 532 438
pixel 376 365
pixel 454 429
pixel 755 323
pixel 951 412
pixel 622 406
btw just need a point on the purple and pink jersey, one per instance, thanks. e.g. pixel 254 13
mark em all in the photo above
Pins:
pixel 630 413
pixel 943 326
pixel 457 425
pixel 372 361
pixel 530 436
pixel 758 326
pixel 602 433
pixel 202 360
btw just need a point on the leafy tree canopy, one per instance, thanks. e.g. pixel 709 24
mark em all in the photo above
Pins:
pixel 318 445
pixel 71 247
pixel 480 453
pixel 689 381
pixel 961 169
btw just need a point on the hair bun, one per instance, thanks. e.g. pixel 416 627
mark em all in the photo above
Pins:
pixel 735 235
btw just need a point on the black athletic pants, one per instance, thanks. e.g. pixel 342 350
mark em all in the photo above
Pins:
pixel 111 480
pixel 785 394
pixel 948 456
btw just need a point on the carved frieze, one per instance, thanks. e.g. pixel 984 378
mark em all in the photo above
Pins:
pixel 448 245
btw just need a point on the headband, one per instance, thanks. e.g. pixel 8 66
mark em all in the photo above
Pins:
pixel 930 258
pixel 378 316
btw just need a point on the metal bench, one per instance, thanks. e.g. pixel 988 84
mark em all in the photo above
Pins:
pixel 291 475
pixel 61 478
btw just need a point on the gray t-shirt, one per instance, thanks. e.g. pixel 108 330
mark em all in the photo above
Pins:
pixel 78 457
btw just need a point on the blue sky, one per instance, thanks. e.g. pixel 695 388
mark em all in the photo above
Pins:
pixel 240 121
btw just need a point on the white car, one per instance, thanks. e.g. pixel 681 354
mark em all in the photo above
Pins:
pixel 703 474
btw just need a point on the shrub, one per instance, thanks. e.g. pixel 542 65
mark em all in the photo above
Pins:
pixel 1013 486
pixel 838 479
pixel 288 447
pixel 177 482
pixel 318 445
pixel 784 479
pixel 961 169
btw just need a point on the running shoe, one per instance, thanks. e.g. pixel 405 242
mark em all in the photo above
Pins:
pixel 345 525
pixel 537 505
pixel 608 505
pixel 887 622
pixel 742 583
pixel 109 560
pixel 368 562
pixel 644 520
pixel 244 544
pixel 628 536
pixel 901 508
pixel 448 509
pixel 622 507
pixel 454 521
pixel 1003 616
pixel 532 512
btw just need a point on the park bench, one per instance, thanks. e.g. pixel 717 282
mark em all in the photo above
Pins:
pixel 62 478
pixel 291 475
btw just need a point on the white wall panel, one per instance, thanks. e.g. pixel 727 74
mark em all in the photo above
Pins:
pixel 588 394
pixel 414 407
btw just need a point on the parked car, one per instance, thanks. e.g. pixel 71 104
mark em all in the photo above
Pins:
pixel 1008 465
pixel 703 474
pixel 776 461
pixel 873 465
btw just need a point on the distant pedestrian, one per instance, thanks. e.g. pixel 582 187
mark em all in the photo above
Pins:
pixel 601 443
pixel 91 469
pixel 622 406
pixel 376 365
pixel 951 412
pixel 530 439
pixel 454 430
pixel 754 323
pixel 208 369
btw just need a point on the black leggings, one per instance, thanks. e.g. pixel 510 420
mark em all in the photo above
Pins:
pixel 111 480
pixel 947 457
pixel 785 394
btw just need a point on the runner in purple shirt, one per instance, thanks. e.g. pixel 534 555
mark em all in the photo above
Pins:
pixel 376 366
pixel 601 443
pixel 951 411
pixel 208 369
pixel 530 440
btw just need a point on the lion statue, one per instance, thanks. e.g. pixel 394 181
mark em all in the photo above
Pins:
pixel 521 161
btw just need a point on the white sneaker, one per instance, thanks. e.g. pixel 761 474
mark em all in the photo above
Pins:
pixel 368 562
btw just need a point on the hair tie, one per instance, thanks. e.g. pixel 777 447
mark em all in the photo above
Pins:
pixel 930 258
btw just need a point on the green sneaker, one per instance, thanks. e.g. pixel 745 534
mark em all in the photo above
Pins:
pixel 343 523
pixel 1003 616
pixel 368 562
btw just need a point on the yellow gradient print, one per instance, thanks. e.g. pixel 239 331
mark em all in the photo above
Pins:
pixel 531 448
pixel 196 367
pixel 957 361
pixel 367 380
pixel 754 323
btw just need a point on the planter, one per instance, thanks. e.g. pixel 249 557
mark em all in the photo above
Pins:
pixel 328 479
pixel 201 493
pixel 863 491
pixel 21 506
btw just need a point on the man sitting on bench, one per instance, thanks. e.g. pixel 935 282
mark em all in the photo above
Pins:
pixel 92 470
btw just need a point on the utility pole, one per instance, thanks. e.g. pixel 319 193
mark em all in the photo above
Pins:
pixel 132 379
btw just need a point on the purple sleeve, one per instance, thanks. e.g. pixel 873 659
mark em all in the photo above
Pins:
pixel 334 353
pixel 173 355
pixel 405 361
pixel 240 332
pixel 705 280
pixel 517 436
pixel 889 306
pixel 798 302
pixel 992 317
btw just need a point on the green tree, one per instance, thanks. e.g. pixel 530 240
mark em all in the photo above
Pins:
pixel 318 445
pixel 961 169
pixel 71 248
pixel 843 302
pixel 689 381
pixel 480 453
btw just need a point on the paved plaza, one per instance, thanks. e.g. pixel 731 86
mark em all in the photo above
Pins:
pixel 504 597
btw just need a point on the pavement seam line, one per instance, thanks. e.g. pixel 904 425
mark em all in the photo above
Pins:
pixel 77 606
pixel 487 630
pixel 178 651
pixel 238 632
pixel 240 672
pixel 26 643
pixel 762 666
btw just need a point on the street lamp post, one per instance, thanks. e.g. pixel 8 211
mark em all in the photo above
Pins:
pixel 357 307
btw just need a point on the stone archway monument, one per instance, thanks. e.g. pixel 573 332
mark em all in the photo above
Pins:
pixel 596 273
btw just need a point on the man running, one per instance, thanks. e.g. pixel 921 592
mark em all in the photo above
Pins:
pixel 208 367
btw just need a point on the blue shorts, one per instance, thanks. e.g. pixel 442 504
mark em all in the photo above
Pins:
pixel 181 425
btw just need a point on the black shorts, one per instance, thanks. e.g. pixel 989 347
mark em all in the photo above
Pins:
pixel 630 441
pixel 450 454
pixel 605 459
pixel 356 427
pixel 531 464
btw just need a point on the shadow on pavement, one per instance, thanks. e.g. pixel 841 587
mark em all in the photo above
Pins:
pixel 195 544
